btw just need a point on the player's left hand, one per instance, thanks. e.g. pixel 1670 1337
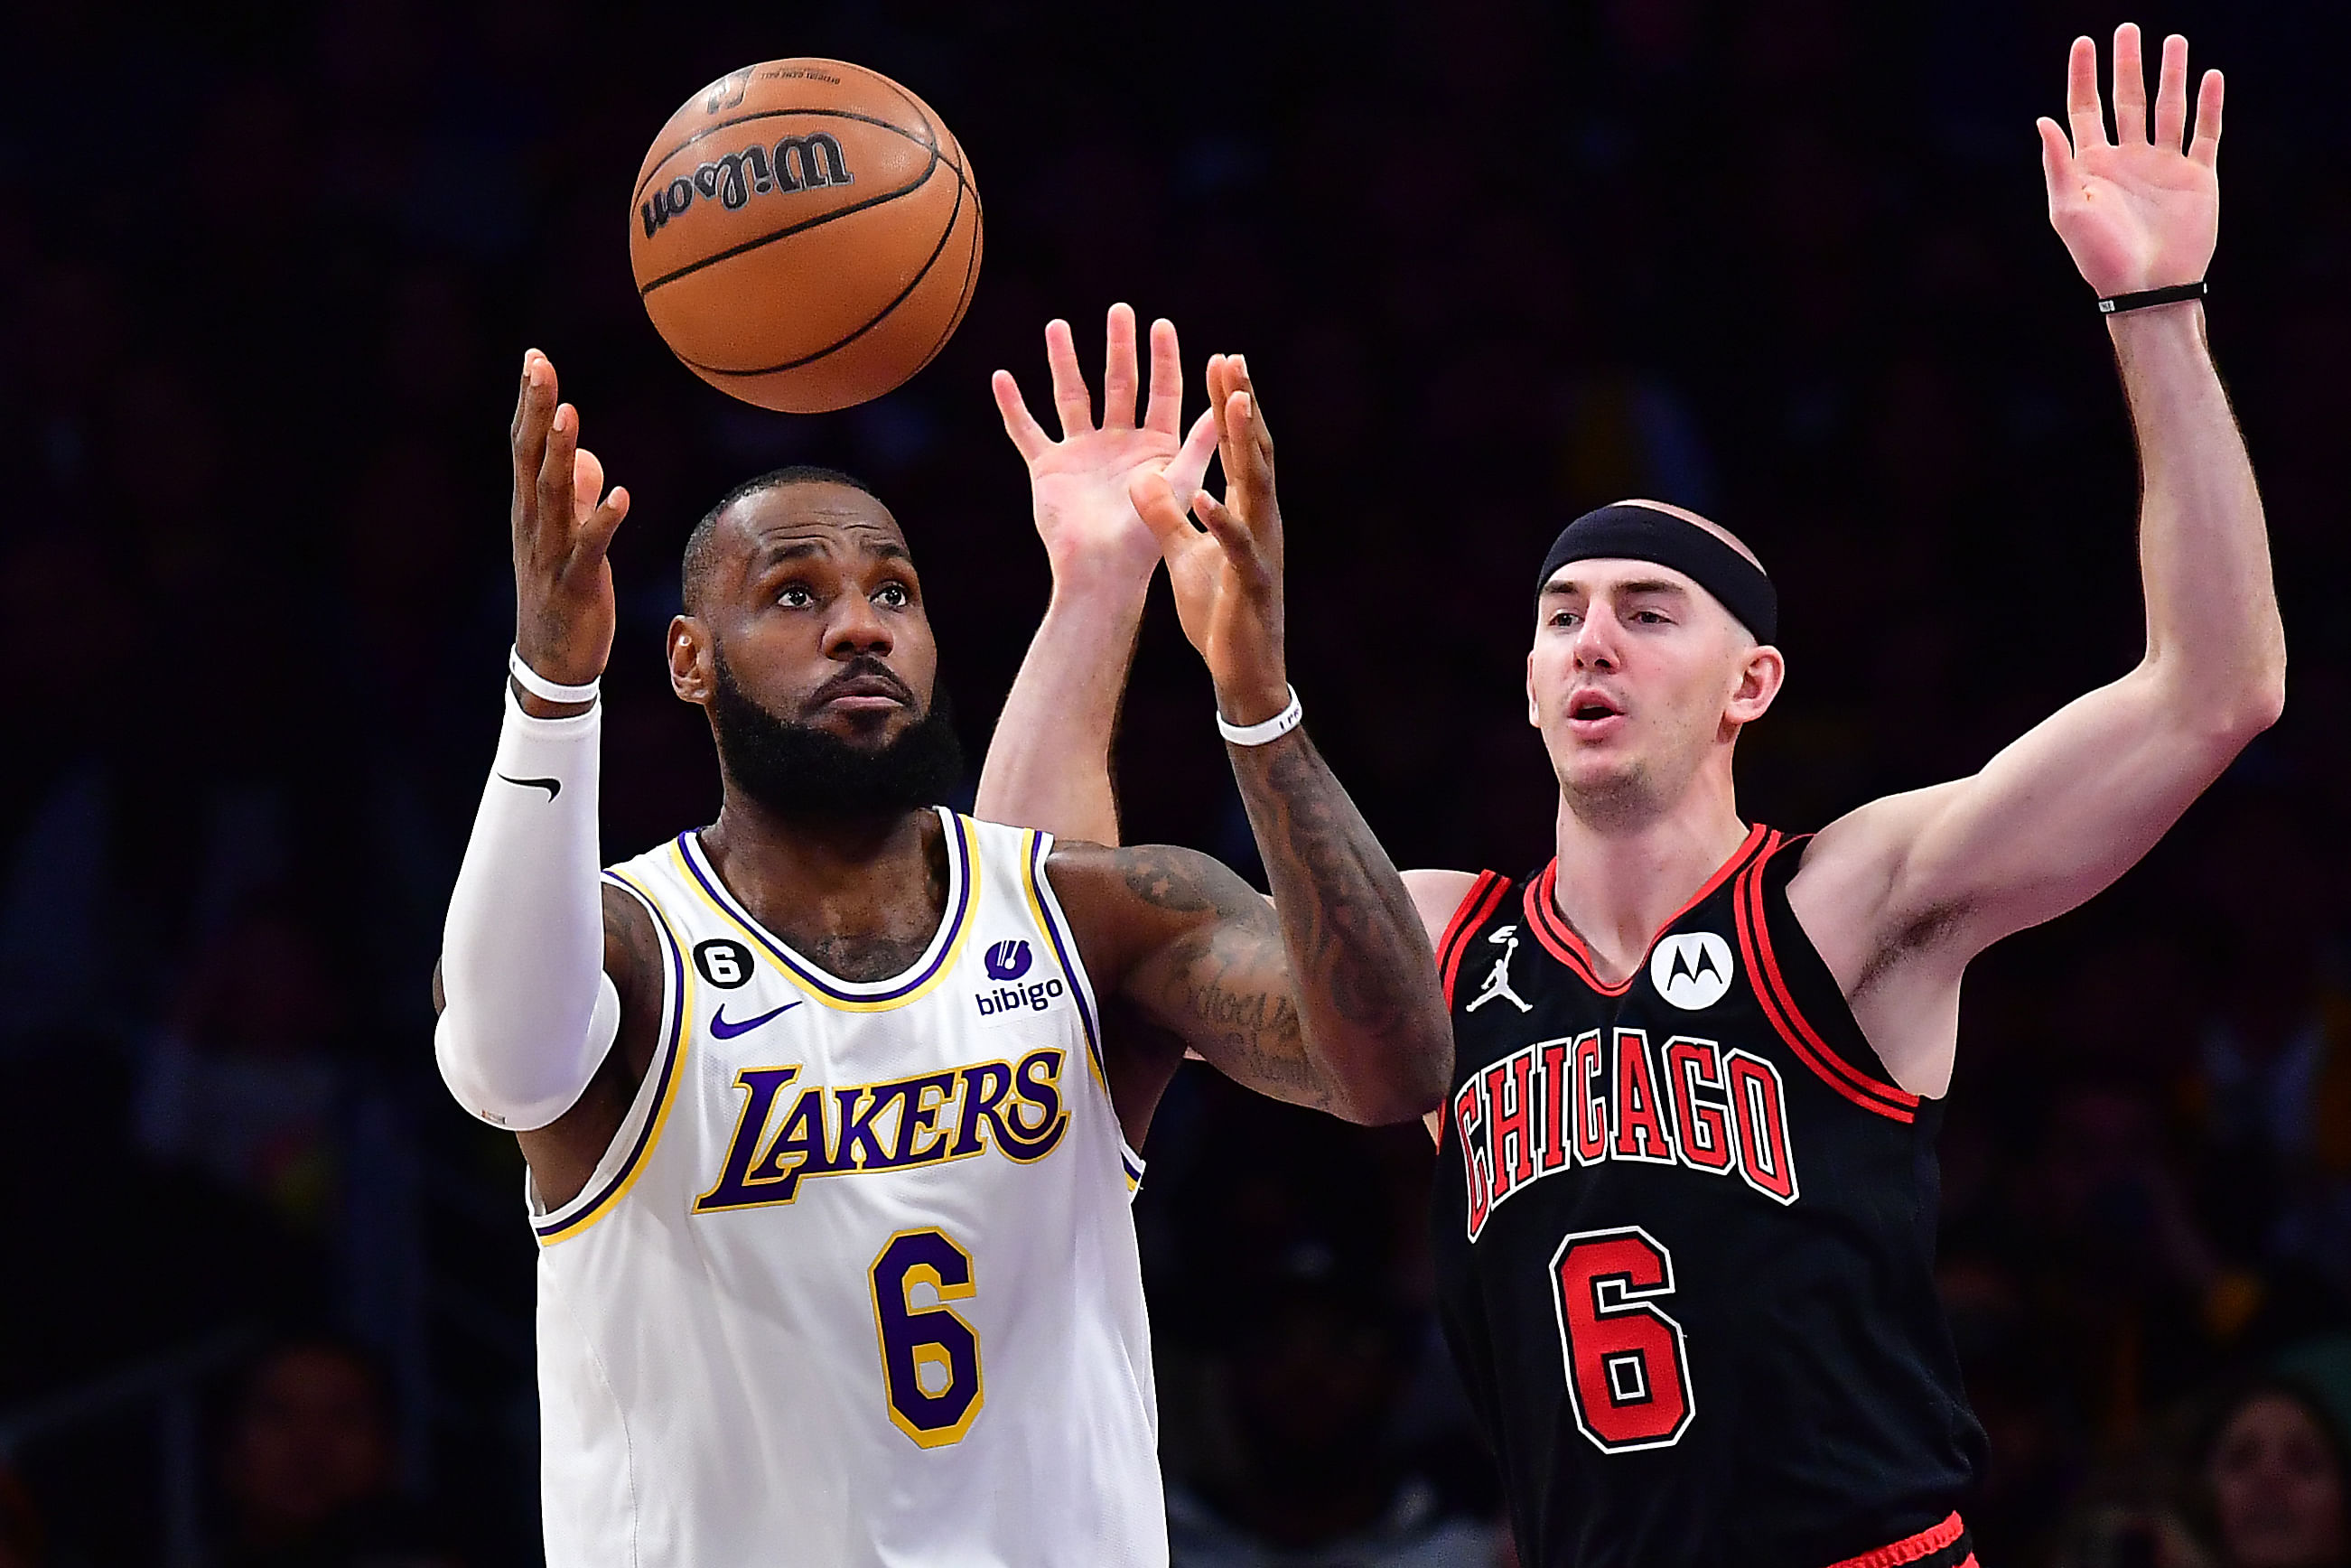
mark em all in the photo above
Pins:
pixel 2135 214
pixel 1227 572
pixel 1078 484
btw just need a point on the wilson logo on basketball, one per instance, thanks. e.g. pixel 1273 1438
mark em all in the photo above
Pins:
pixel 798 163
pixel 726 93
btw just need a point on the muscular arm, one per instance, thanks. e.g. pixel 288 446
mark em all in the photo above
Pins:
pixel 563 1154
pixel 1325 998
pixel 1900 895
pixel 548 987
pixel 1048 763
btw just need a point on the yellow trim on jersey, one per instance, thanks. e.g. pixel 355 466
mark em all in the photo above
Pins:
pixel 811 981
pixel 1054 932
pixel 1031 870
pixel 682 1041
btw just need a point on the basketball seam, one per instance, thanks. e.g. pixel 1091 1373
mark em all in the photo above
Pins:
pixel 932 146
pixel 936 132
pixel 963 300
pixel 978 221
pixel 881 316
pixel 970 278
pixel 802 228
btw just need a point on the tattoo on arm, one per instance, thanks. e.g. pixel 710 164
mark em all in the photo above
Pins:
pixel 1366 978
pixel 1227 987
pixel 1329 997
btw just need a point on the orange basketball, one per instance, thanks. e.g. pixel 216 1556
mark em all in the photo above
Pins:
pixel 806 235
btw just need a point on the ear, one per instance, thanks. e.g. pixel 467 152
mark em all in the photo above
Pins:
pixel 1759 675
pixel 1534 709
pixel 693 670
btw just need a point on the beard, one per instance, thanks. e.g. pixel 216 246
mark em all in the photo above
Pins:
pixel 797 770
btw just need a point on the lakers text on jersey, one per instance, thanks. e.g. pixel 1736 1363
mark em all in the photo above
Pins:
pixel 1685 1237
pixel 856 1283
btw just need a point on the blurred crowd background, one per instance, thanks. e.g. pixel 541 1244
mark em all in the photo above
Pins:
pixel 266 273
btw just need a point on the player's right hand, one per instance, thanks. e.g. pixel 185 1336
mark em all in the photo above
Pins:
pixel 563 523
pixel 1078 484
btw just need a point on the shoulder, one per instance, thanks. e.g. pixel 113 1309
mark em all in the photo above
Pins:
pixel 1148 880
pixel 1127 903
pixel 1438 897
pixel 1852 872
pixel 632 948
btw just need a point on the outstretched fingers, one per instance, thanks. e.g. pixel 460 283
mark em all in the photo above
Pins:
pixel 596 530
pixel 2130 87
pixel 587 485
pixel 2206 148
pixel 1075 404
pixel 557 470
pixel 2056 160
pixel 1119 377
pixel 2083 115
pixel 1028 437
pixel 534 412
pixel 1165 410
pixel 1189 468
pixel 2172 95
pixel 1231 531
pixel 1248 446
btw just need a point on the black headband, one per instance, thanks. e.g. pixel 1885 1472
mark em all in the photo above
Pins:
pixel 1629 532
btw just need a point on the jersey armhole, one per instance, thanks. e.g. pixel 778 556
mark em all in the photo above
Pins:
pixel 1476 905
pixel 1053 925
pixel 1750 904
pixel 626 1156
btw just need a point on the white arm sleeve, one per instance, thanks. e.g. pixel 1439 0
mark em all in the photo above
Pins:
pixel 529 1010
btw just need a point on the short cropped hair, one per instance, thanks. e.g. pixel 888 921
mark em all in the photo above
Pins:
pixel 696 561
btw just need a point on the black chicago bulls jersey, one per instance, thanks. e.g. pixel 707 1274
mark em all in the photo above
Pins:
pixel 1685 1243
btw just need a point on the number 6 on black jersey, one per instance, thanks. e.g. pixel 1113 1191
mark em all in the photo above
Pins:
pixel 1628 1371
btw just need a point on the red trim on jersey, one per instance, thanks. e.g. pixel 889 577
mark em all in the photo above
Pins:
pixel 1780 1006
pixel 1925 1543
pixel 1894 1093
pixel 1553 931
pixel 1476 905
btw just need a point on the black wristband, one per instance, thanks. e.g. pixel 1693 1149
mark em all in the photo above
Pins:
pixel 2118 304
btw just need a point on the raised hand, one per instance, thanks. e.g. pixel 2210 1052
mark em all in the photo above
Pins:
pixel 563 525
pixel 2137 213
pixel 1078 484
pixel 1227 572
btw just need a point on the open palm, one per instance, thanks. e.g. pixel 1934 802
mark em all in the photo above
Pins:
pixel 2136 213
pixel 1079 485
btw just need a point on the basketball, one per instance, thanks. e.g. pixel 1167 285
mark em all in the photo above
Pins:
pixel 805 234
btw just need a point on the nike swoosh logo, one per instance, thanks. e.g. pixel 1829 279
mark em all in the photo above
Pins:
pixel 553 787
pixel 721 1030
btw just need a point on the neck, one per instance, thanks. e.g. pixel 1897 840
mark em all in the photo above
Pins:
pixel 816 880
pixel 1620 881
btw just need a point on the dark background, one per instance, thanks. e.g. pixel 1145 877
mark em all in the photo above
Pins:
pixel 266 271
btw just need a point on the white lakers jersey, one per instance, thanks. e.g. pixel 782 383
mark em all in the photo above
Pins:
pixel 856 1284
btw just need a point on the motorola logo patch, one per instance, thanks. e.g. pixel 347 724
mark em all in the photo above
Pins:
pixel 1691 969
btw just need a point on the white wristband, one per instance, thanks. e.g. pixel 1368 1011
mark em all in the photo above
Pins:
pixel 1274 728
pixel 545 690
